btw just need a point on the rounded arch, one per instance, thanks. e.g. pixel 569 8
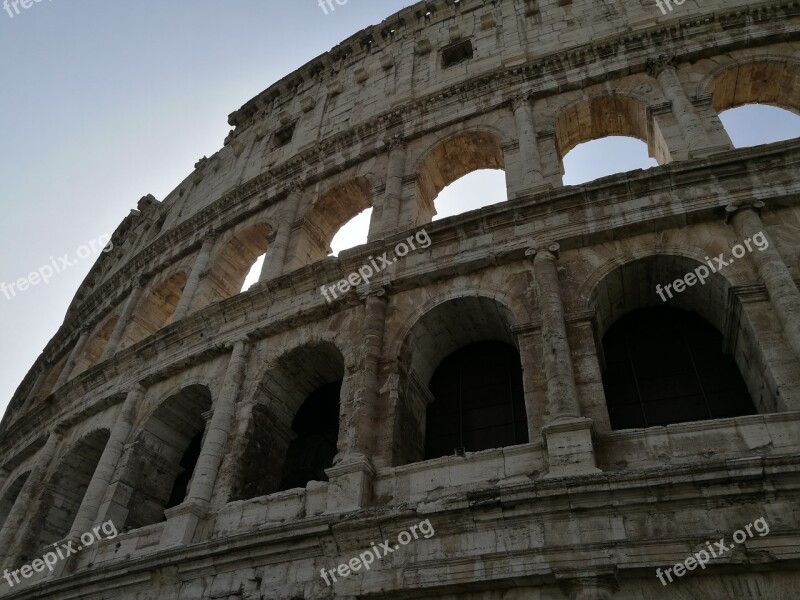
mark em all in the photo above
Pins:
pixel 601 116
pixel 156 310
pixel 65 489
pixel 453 157
pixel 95 346
pixel 294 427
pixel 763 80
pixel 161 463
pixel 439 332
pixel 334 207
pixel 622 287
pixel 10 495
pixel 231 263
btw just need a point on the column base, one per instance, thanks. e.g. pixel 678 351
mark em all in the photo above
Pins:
pixel 570 449
pixel 350 484
pixel 182 523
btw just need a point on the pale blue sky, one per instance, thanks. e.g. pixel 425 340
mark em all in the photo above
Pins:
pixel 102 103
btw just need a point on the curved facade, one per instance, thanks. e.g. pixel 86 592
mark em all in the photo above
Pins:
pixel 186 413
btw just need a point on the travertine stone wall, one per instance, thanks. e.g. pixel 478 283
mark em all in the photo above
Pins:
pixel 158 346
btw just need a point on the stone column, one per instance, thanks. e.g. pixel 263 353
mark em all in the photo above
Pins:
pixel 124 320
pixel 199 270
pixel 19 519
pixel 697 138
pixel 782 291
pixel 104 472
pixel 562 399
pixel 351 478
pixel 568 435
pixel 530 161
pixel 534 382
pixel 183 519
pixel 73 358
pixel 275 261
pixel 393 195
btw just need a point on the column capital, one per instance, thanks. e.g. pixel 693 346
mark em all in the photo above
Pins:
pixel 547 251
pixel 395 142
pixel 656 66
pixel 295 187
pixel 733 207
pixel 519 100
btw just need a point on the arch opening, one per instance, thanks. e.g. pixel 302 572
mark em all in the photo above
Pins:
pixel 161 466
pixel 353 233
pixel 665 365
pixel 484 187
pixel 450 161
pixel 10 497
pixel 478 401
pixel 609 116
pixel 64 492
pixel 603 157
pixel 461 328
pixel 631 288
pixel 94 348
pixel 756 124
pixel 155 311
pixel 339 210
pixel 294 426
pixel 236 267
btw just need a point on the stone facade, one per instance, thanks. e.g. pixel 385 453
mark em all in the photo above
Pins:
pixel 159 349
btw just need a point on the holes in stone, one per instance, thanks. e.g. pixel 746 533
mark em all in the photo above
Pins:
pixel 478 403
pixel 665 365
pixel 284 135
pixel 456 53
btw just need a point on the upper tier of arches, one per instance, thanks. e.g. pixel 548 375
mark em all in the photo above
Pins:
pixel 670 105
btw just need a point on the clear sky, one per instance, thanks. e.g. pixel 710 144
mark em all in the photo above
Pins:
pixel 102 103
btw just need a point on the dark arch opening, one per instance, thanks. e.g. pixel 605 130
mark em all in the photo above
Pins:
pixel 10 497
pixel 665 365
pixel 478 401
pixel 187 464
pixel 316 426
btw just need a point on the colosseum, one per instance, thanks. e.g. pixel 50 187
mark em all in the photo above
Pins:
pixel 583 391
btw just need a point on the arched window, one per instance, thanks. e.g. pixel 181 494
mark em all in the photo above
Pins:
pixel 665 365
pixel 293 430
pixel 165 454
pixel 450 171
pixel 236 266
pixel 10 497
pixel 342 211
pixel 316 427
pixel 595 134
pixel 65 490
pixel 155 310
pixel 478 401
pixel 607 156
pixel 353 233
pixel 755 124
pixel 475 190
